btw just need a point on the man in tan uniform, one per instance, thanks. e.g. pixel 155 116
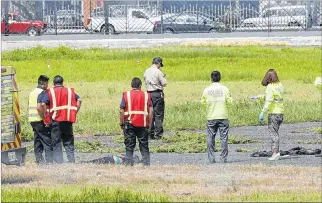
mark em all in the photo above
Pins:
pixel 155 82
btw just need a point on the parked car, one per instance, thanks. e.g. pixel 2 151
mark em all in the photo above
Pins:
pixel 186 22
pixel 137 21
pixel 279 17
pixel 17 24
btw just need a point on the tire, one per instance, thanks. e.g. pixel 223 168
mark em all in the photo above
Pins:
pixel 212 30
pixel 110 28
pixel 293 24
pixel 168 31
pixel 32 31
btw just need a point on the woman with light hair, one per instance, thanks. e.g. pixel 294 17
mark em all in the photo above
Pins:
pixel 274 107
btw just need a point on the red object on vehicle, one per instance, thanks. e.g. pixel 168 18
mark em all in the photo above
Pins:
pixel 136 107
pixel 17 24
pixel 63 104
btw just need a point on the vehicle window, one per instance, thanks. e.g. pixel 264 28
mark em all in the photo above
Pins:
pixel 298 11
pixel 202 19
pixel 181 19
pixel 285 12
pixel 138 14
pixel 271 13
pixel 17 18
pixel 191 19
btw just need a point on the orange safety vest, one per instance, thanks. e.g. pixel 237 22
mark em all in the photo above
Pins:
pixel 63 105
pixel 137 103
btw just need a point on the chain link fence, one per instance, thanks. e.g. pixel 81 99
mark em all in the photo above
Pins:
pixel 157 16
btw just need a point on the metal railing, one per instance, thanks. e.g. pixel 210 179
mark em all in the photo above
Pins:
pixel 158 16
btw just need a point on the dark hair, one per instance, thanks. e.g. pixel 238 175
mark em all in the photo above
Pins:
pixel 215 76
pixel 136 83
pixel 42 79
pixel 157 60
pixel 58 80
pixel 270 77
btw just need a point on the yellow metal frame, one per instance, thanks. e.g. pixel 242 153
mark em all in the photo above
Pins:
pixel 8 70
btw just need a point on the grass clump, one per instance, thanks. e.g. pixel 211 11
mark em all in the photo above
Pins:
pixel 315 141
pixel 79 194
pixel 243 150
pixel 317 130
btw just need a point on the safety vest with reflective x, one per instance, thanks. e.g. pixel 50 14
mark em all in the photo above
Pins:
pixel 136 107
pixel 33 115
pixel 63 104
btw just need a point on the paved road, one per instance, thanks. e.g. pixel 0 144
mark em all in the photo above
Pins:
pixel 290 135
pixel 300 33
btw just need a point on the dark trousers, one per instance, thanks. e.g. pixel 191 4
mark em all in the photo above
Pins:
pixel 130 135
pixel 42 142
pixel 274 123
pixel 212 127
pixel 62 132
pixel 156 128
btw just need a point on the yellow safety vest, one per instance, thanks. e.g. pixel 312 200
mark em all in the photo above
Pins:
pixel 33 112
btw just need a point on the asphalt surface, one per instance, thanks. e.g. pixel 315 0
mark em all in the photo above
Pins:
pixel 290 135
pixel 99 36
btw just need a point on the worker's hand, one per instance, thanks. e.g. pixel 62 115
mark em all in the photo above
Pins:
pixel 122 125
pixel 261 117
pixel 254 97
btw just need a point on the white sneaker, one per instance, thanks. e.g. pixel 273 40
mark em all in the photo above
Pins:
pixel 275 157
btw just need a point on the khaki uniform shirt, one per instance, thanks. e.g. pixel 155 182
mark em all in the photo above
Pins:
pixel 154 79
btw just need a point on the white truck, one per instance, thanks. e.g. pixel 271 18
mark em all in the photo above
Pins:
pixel 137 21
pixel 279 17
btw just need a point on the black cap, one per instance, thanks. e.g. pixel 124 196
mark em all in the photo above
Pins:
pixel 157 60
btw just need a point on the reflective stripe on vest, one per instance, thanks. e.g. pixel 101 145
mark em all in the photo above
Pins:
pixel 33 115
pixel 130 112
pixel 67 107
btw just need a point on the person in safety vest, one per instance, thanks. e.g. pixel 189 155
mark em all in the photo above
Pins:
pixel 155 82
pixel 42 138
pixel 64 105
pixel 318 83
pixel 217 98
pixel 135 119
pixel 274 106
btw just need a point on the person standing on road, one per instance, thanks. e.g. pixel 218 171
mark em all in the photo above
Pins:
pixel 42 139
pixel 64 105
pixel 274 106
pixel 155 82
pixel 135 117
pixel 217 98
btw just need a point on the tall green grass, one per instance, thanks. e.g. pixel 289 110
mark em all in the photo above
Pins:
pixel 79 194
pixel 115 194
pixel 181 63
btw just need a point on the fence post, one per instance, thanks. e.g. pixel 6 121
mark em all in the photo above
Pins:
pixel 161 9
pixel 269 16
pixel 106 15
pixel 55 17
pixel 5 6
pixel 308 15
pixel 39 11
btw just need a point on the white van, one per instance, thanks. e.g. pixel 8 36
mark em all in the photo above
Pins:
pixel 279 17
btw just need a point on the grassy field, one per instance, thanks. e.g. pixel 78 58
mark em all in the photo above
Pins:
pixel 99 183
pixel 100 76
